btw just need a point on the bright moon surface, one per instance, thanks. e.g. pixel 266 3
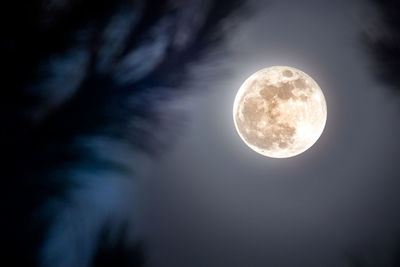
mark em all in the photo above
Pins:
pixel 280 112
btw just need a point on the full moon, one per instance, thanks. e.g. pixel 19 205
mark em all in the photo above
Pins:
pixel 279 112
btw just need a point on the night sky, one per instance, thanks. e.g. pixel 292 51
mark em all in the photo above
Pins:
pixel 120 146
pixel 233 207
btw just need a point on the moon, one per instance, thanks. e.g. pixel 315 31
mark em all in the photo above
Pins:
pixel 280 112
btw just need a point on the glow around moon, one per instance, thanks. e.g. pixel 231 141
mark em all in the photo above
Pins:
pixel 280 112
